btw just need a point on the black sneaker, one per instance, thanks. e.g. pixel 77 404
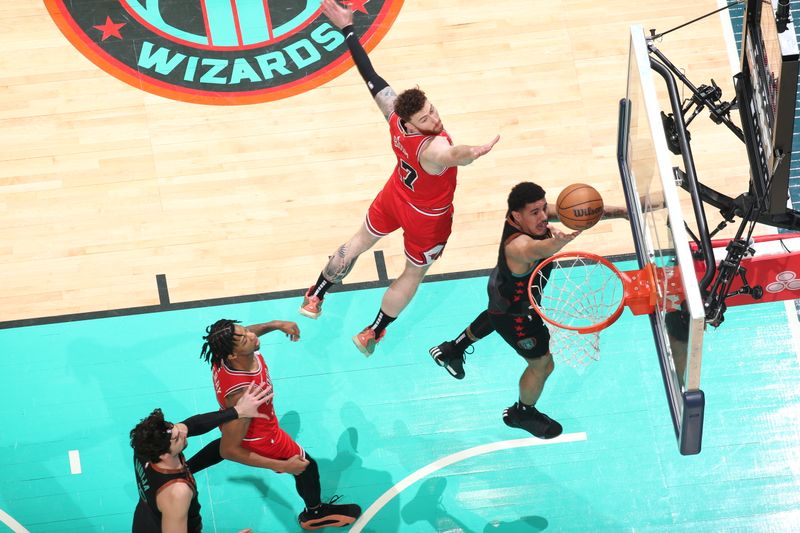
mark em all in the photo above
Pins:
pixel 329 514
pixel 537 424
pixel 450 357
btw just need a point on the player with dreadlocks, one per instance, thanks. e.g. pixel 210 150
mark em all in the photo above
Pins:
pixel 232 350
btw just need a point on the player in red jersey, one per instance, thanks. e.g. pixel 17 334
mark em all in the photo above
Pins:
pixel 236 362
pixel 418 196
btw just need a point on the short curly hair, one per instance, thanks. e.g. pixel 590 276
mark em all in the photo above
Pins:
pixel 409 102
pixel 150 438
pixel 523 194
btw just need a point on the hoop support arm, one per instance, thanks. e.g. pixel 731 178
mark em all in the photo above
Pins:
pixel 640 289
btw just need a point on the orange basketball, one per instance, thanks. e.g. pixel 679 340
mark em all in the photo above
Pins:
pixel 579 206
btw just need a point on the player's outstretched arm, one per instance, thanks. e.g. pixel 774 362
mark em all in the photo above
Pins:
pixel 441 154
pixel 615 211
pixel 291 329
pixel 246 407
pixel 342 17
pixel 527 250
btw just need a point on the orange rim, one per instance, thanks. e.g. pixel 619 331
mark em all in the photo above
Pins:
pixel 572 255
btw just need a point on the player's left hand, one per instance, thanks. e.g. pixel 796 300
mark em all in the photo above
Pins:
pixel 291 329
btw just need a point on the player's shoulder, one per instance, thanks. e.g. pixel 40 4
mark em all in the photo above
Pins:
pixel 179 492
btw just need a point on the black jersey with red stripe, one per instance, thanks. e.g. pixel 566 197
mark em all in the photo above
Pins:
pixel 508 292
pixel 152 479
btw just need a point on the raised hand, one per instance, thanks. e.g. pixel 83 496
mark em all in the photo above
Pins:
pixel 561 236
pixel 478 151
pixel 338 14
pixel 291 329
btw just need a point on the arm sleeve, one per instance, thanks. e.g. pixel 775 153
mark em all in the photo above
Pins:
pixel 208 456
pixel 199 424
pixel 375 83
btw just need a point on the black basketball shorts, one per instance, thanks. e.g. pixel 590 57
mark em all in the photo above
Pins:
pixel 527 334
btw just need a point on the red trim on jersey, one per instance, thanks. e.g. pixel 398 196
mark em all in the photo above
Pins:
pixel 177 480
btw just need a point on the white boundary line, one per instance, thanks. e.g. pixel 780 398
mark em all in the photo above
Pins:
pixel 74 461
pixel 12 524
pixel 425 471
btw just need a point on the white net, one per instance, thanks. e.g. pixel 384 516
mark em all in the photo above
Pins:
pixel 581 292
pixel 577 350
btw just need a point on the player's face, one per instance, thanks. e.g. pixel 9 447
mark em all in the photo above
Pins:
pixel 427 120
pixel 533 217
pixel 244 341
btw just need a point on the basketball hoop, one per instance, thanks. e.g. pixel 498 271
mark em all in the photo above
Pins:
pixel 587 293
pixel 584 294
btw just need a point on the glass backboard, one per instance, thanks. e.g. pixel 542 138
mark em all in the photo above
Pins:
pixel 659 233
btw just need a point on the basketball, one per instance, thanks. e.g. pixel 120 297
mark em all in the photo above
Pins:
pixel 579 206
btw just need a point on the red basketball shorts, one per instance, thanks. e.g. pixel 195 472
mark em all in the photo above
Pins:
pixel 425 232
pixel 278 445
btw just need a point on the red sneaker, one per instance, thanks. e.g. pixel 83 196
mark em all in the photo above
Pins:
pixel 366 341
pixel 312 305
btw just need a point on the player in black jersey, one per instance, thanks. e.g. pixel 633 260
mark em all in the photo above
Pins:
pixel 167 489
pixel 526 240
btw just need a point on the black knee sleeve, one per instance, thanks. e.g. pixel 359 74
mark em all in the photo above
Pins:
pixel 481 326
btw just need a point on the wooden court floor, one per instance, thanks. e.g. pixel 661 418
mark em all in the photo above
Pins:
pixel 103 186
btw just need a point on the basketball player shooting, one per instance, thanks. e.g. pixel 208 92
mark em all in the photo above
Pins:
pixel 417 197
pixel 527 239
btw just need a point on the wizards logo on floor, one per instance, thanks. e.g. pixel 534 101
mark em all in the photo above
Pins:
pixel 218 51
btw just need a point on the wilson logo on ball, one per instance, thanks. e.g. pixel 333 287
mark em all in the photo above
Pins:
pixel 218 52
pixel 586 212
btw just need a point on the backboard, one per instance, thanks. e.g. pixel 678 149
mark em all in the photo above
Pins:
pixel 657 224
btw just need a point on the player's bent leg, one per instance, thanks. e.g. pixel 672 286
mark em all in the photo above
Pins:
pixel 341 262
pixel 533 378
pixel 336 269
pixel 403 289
pixel 395 299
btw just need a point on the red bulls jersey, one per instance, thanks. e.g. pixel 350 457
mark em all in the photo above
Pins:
pixel 228 380
pixel 432 193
